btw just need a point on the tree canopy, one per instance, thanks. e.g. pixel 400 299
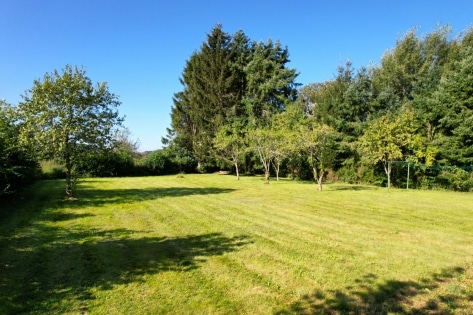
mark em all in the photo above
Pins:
pixel 241 108
pixel 415 104
pixel 230 78
pixel 64 116
pixel 17 163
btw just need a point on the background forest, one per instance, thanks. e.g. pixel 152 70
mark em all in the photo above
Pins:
pixel 405 121
pixel 241 107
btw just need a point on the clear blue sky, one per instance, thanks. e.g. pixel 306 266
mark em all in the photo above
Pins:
pixel 140 47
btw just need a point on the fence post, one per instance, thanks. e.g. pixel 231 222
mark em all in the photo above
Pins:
pixel 407 176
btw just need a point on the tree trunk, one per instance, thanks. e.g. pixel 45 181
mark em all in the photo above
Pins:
pixel 267 169
pixel 316 178
pixel 387 169
pixel 319 181
pixel 277 172
pixel 68 176
pixel 237 172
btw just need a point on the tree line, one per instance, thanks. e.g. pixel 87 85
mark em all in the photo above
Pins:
pixel 241 109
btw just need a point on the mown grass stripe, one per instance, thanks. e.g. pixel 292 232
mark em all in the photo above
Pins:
pixel 210 244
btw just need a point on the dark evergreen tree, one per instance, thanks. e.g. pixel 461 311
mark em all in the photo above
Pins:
pixel 229 78
pixel 455 94
pixel 270 84
pixel 358 103
pixel 435 51
pixel 210 93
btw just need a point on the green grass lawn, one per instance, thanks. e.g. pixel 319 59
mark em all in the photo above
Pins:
pixel 208 244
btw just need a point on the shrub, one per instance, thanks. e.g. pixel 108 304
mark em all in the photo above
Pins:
pixel 106 164
pixel 52 170
pixel 349 172
pixel 455 179
pixel 159 163
pixel 18 167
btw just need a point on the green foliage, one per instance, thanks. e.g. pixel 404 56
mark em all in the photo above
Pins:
pixel 349 172
pixel 387 139
pixel 357 105
pixel 156 161
pixel 230 144
pixel 289 156
pixel 17 165
pixel 318 142
pixel 211 94
pixel 160 163
pixel 51 169
pixel 399 71
pixel 178 147
pixel 456 94
pixel 263 142
pixel 455 179
pixel 414 106
pixel 435 49
pixel 106 164
pixel 65 117
pixel 117 160
pixel 228 79
pixel 270 84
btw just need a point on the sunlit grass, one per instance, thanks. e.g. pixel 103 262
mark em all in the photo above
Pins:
pixel 211 244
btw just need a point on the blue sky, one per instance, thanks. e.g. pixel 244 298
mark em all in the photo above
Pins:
pixel 140 47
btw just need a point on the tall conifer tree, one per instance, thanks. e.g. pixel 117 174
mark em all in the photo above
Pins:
pixel 229 79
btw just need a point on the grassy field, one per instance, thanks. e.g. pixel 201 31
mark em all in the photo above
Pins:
pixel 207 244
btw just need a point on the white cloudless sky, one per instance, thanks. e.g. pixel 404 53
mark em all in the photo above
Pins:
pixel 139 47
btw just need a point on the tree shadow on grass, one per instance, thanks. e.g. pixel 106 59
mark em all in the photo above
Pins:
pixel 47 266
pixel 448 292
pixel 352 187
pixel 96 197
pixel 64 216
pixel 49 195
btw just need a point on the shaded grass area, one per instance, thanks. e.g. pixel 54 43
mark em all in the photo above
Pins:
pixel 448 292
pixel 210 244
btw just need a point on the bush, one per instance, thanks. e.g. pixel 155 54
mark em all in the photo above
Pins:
pixel 106 164
pixel 16 171
pixel 158 163
pixel 424 178
pixel 18 167
pixel 52 170
pixel 455 179
pixel 372 174
pixel 349 172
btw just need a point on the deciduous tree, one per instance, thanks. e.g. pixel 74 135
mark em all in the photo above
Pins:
pixel 65 115
pixel 386 140
pixel 230 144
pixel 263 143
pixel 319 144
